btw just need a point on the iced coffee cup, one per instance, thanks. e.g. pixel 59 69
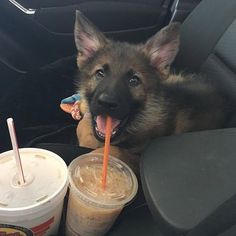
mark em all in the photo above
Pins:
pixel 91 209
pixel 35 207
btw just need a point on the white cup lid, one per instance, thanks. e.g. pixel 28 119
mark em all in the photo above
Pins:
pixel 45 173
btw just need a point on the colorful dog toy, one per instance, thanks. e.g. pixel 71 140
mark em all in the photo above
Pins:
pixel 71 105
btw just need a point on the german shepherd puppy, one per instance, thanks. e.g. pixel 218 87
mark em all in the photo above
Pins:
pixel 133 85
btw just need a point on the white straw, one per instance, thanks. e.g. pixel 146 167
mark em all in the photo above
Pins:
pixel 12 132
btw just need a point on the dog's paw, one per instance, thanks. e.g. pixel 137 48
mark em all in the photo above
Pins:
pixel 72 105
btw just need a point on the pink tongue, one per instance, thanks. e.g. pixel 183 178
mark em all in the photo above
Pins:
pixel 101 124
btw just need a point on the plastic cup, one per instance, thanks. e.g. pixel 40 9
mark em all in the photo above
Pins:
pixel 34 208
pixel 91 210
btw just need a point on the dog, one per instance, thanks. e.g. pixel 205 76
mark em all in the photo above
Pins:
pixel 133 84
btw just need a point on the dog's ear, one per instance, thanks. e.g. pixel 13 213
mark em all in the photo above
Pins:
pixel 163 47
pixel 88 38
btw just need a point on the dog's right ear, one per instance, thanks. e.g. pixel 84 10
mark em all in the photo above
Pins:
pixel 88 38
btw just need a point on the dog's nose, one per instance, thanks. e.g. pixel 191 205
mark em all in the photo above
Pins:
pixel 107 101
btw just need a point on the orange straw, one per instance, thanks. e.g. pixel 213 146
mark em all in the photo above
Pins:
pixel 106 151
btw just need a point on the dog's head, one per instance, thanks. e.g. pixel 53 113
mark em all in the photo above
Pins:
pixel 121 80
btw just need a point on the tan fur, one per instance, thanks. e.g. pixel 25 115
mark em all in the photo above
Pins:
pixel 80 59
pixel 175 78
pixel 84 129
pixel 85 134
pixel 182 122
pixel 84 106
pixel 146 117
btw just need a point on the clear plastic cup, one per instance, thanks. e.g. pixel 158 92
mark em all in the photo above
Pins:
pixel 92 211
pixel 34 208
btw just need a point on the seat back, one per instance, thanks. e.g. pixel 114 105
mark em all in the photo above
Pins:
pixel 208 39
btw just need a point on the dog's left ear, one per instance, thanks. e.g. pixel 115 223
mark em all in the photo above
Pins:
pixel 88 38
pixel 163 47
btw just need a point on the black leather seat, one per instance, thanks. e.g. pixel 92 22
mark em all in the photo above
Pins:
pixel 208 39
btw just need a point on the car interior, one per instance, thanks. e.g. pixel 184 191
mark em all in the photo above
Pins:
pixel 187 182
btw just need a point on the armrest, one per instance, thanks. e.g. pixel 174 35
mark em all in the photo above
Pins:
pixel 189 182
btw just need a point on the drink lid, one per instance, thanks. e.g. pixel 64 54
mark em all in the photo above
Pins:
pixel 45 174
pixel 85 177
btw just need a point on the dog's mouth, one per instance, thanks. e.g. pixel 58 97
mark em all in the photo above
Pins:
pixel 99 126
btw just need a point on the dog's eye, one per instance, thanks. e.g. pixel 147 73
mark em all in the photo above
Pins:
pixel 134 81
pixel 100 74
